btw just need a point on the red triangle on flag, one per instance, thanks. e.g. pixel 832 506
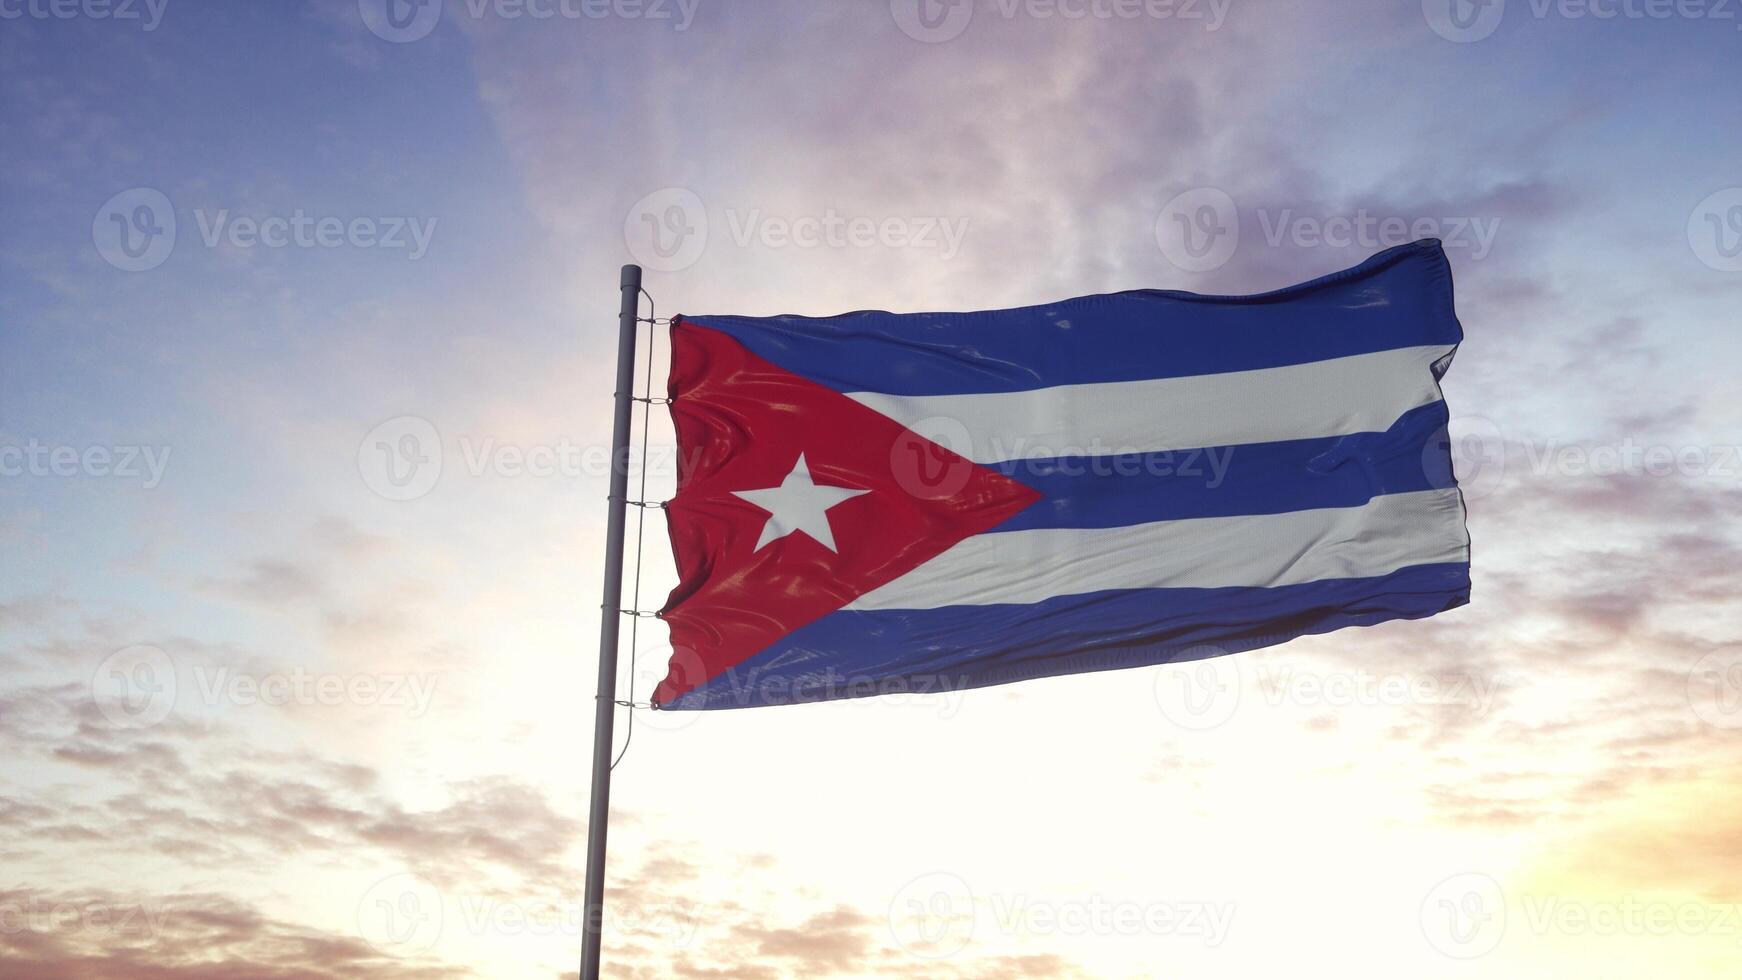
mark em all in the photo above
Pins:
pixel 793 500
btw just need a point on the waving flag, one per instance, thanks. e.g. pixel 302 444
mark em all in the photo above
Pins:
pixel 876 503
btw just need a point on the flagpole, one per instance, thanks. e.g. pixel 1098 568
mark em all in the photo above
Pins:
pixel 610 614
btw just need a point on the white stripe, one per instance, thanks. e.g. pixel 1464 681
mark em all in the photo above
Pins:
pixel 1361 393
pixel 1383 535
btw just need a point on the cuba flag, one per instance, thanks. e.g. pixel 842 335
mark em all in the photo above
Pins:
pixel 879 503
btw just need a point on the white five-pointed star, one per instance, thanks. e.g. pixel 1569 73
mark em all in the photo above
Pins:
pixel 798 504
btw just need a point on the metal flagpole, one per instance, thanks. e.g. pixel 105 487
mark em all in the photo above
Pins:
pixel 610 613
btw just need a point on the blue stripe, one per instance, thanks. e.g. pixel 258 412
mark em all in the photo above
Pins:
pixel 859 654
pixel 1261 478
pixel 1401 297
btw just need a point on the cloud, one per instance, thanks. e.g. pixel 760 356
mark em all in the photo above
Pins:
pixel 33 610
pixel 832 940
pixel 202 791
pixel 270 582
pixel 106 935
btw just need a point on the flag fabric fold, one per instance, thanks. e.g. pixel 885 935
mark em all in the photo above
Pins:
pixel 880 503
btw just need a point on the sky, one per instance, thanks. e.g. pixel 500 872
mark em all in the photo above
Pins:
pixel 307 324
